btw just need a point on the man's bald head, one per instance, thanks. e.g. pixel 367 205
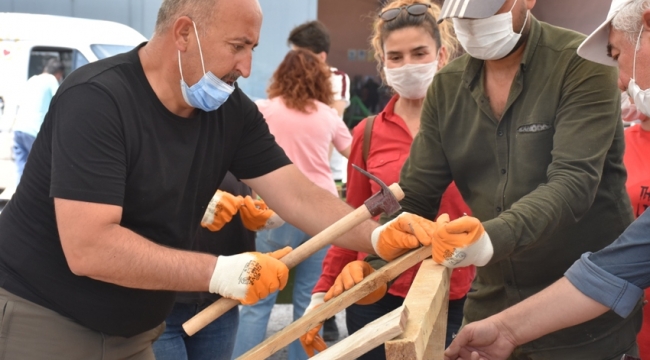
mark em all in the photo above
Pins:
pixel 198 10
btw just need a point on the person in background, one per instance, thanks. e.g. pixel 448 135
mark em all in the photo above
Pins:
pixel 299 115
pixel 216 341
pixel 410 47
pixel 614 277
pixel 33 105
pixel 315 37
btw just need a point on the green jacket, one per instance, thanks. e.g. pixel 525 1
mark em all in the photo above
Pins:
pixel 547 180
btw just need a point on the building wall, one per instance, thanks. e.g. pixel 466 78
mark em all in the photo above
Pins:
pixel 138 14
pixel 350 25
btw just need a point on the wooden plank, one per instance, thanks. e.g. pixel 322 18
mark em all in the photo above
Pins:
pixel 368 337
pixel 390 271
pixel 427 301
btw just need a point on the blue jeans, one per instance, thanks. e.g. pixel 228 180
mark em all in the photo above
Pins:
pixel 213 342
pixel 358 316
pixel 253 320
pixel 22 146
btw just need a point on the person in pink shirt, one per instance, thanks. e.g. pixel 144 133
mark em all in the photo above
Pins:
pixel 299 115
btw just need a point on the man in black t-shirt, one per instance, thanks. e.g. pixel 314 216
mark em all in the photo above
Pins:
pixel 96 239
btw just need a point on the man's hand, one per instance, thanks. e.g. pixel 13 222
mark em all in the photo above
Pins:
pixel 398 236
pixel 351 275
pixel 461 242
pixel 251 276
pixel 222 207
pixel 312 341
pixel 483 340
pixel 257 216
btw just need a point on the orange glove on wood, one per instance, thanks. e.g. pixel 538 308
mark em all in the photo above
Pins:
pixel 250 276
pixel 351 275
pixel 461 242
pixel 222 207
pixel 398 236
pixel 312 341
pixel 256 215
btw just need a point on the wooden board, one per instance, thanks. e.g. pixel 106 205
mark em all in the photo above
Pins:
pixel 427 301
pixel 390 271
pixel 368 337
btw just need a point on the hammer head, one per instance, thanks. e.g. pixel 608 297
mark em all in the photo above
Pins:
pixel 383 201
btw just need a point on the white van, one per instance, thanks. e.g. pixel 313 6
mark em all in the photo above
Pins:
pixel 27 41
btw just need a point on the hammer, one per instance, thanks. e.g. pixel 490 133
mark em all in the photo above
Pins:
pixel 386 200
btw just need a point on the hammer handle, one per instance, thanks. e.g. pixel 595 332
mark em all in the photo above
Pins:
pixel 302 252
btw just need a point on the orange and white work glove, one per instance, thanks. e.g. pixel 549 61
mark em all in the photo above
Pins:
pixel 250 276
pixel 312 341
pixel 256 215
pixel 222 207
pixel 461 242
pixel 351 275
pixel 398 236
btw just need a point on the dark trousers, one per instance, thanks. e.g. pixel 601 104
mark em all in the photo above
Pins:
pixel 358 316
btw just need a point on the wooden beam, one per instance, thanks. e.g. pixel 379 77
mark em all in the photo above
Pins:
pixel 368 337
pixel 427 301
pixel 390 271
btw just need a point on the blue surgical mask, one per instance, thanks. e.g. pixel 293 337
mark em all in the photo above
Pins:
pixel 210 92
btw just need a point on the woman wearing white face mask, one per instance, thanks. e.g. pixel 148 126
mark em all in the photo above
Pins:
pixel 410 47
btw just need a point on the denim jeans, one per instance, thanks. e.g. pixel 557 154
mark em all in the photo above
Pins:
pixel 213 342
pixel 22 146
pixel 358 316
pixel 253 320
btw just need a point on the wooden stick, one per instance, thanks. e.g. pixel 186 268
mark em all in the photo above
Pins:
pixel 302 252
pixel 299 327
pixel 368 337
pixel 427 300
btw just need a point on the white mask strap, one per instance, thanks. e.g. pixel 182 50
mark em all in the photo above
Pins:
pixel 525 21
pixel 513 5
pixel 199 42
pixel 636 49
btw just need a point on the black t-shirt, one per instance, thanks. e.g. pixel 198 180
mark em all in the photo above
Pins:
pixel 108 139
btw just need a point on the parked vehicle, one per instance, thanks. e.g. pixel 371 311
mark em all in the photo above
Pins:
pixel 28 41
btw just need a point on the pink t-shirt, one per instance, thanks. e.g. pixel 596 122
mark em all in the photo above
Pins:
pixel 306 137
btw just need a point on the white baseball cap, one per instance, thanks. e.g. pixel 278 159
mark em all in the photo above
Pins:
pixel 469 9
pixel 594 47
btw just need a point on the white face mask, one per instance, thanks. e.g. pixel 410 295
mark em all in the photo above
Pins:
pixel 491 38
pixel 641 97
pixel 411 81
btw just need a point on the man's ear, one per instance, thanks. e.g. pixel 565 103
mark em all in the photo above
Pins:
pixel 323 56
pixel 182 30
pixel 646 19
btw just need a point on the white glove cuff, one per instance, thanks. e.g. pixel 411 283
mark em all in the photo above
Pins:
pixel 226 276
pixel 316 299
pixel 374 236
pixel 479 253
pixel 483 250
pixel 208 216
pixel 275 221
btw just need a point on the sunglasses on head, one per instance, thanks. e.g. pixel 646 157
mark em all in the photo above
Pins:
pixel 414 9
